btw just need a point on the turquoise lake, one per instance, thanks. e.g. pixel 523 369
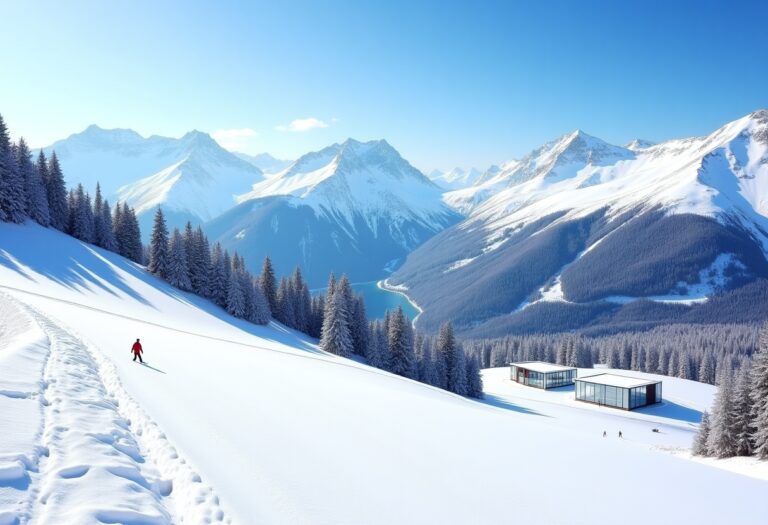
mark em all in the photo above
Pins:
pixel 378 301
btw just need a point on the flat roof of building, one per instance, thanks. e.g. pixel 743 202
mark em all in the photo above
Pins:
pixel 541 366
pixel 617 380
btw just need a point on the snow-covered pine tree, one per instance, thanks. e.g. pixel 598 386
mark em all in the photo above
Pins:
pixel 401 359
pixel 259 307
pixel 236 295
pixel 460 375
pixel 684 368
pixel 359 326
pixel 722 439
pixel 177 271
pixel 37 200
pixel 285 308
pixel 130 241
pixel 299 301
pixel 672 365
pixel 13 199
pixel 562 353
pixel 158 246
pixel 742 412
pixel 445 356
pixel 373 350
pixel 57 193
pixel 474 379
pixel 335 337
pixel 108 241
pixel 760 397
pixel 200 282
pixel 81 218
pixel 217 281
pixel 702 437
pixel 318 307
pixel 707 369
pixel 268 283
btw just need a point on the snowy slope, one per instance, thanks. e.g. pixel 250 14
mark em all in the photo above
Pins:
pixel 191 177
pixel 577 202
pixel 353 207
pixel 263 428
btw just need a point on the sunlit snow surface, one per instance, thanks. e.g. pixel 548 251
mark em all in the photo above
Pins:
pixel 230 421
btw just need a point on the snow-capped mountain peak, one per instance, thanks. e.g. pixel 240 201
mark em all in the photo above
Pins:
pixel 639 144
pixel 192 177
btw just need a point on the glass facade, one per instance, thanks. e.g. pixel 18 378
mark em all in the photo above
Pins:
pixel 618 397
pixel 562 378
pixel 540 379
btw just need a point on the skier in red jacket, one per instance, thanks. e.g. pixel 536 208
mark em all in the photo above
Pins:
pixel 137 351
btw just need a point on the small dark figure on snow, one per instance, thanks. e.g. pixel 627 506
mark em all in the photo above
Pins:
pixel 604 433
pixel 620 434
pixel 137 351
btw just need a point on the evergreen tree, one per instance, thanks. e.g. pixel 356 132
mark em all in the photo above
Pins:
pixel 759 394
pixel 286 311
pixel 81 215
pixel 742 413
pixel 474 379
pixel 707 369
pixel 201 283
pixel 177 270
pixel 722 441
pixel 13 199
pixel 359 326
pixel 236 296
pixel 460 376
pixel 268 283
pixel 98 217
pixel 258 307
pixel 300 302
pixel 335 337
pixel 127 234
pixel 218 281
pixel 56 191
pixel 445 357
pixel 702 437
pixel 108 241
pixel 401 359
pixel 37 200
pixel 158 246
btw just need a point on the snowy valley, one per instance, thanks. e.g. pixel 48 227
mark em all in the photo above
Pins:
pixel 83 415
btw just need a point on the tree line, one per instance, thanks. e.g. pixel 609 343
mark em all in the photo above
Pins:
pixel 392 344
pixel 738 424
pixel 695 352
pixel 35 189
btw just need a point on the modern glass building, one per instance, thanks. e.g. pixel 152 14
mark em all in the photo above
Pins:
pixel 542 375
pixel 618 391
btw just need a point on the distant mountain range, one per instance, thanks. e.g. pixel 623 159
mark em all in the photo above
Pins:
pixel 355 207
pixel 582 233
pixel 265 162
pixel 192 177
pixel 579 234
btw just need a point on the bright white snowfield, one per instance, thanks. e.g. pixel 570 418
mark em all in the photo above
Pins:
pixel 235 423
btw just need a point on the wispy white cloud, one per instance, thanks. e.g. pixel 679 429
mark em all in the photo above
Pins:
pixel 302 124
pixel 234 139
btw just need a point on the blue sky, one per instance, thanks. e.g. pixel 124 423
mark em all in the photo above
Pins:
pixel 447 83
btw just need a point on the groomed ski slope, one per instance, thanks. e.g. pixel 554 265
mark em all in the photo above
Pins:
pixel 264 428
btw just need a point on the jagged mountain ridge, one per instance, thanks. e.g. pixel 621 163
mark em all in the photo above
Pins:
pixel 192 177
pixel 607 227
pixel 355 207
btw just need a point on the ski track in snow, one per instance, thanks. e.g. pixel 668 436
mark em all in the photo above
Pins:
pixel 100 458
